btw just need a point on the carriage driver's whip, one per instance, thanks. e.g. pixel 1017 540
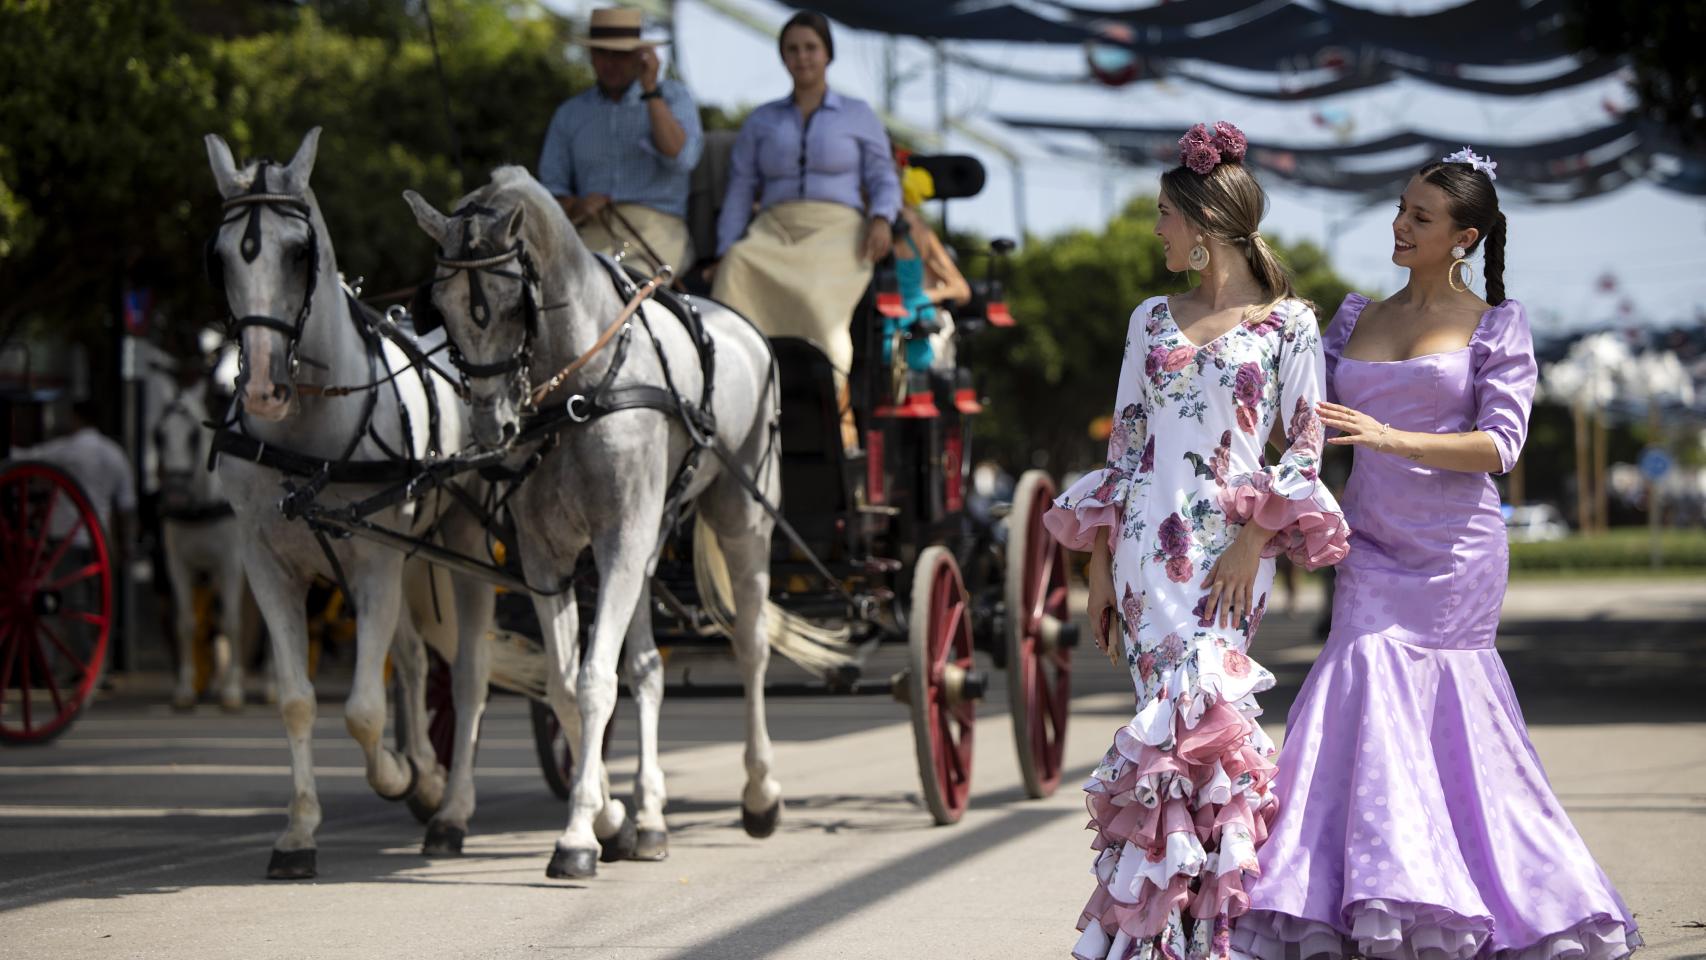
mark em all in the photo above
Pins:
pixel 663 276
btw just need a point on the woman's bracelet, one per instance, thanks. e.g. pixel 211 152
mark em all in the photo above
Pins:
pixel 1380 441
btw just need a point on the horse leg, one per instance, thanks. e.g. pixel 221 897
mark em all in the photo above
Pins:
pixel 378 593
pixel 183 597
pixel 559 620
pixel 743 530
pixel 595 818
pixel 279 596
pixel 469 683
pixel 409 666
pixel 231 627
pixel 645 681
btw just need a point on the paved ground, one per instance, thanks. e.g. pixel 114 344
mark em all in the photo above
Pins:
pixel 144 833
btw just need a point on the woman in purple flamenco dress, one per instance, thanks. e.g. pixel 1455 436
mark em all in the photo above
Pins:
pixel 1181 526
pixel 1415 820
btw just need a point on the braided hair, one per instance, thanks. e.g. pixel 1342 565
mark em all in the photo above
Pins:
pixel 1474 203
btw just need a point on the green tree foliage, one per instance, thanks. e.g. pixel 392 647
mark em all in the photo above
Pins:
pixel 1050 377
pixel 1662 40
pixel 98 101
pixel 103 103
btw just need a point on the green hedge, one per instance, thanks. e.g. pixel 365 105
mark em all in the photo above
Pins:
pixel 1625 548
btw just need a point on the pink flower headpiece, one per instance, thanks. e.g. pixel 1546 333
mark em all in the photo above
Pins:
pixel 1202 151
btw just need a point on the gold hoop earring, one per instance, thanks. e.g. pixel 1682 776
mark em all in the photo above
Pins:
pixel 1198 258
pixel 1468 273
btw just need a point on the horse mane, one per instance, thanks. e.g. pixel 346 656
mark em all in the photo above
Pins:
pixel 545 227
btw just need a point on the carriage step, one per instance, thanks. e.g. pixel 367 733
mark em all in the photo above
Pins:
pixel 879 510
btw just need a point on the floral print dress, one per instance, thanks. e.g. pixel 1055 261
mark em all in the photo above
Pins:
pixel 1180 802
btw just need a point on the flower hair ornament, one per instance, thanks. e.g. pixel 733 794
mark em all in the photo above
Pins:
pixel 1202 149
pixel 1483 164
pixel 916 186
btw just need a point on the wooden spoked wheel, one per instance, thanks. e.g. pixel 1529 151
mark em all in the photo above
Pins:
pixel 941 686
pixel 440 721
pixel 556 754
pixel 1039 634
pixel 56 601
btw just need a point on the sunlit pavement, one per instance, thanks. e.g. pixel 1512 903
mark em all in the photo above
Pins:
pixel 145 833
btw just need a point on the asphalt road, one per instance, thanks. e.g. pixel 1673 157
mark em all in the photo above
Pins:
pixel 145 833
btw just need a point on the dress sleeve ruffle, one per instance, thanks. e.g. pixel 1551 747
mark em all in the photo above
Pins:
pixel 1308 525
pixel 1095 500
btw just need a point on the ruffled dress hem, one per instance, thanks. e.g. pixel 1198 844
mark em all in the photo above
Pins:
pixel 1392 930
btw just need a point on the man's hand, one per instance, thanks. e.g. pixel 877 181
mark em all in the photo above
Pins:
pixel 879 236
pixel 648 69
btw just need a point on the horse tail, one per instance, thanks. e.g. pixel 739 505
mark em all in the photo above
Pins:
pixel 813 646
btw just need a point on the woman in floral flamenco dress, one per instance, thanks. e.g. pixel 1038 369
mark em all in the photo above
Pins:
pixel 1181 527
pixel 1415 821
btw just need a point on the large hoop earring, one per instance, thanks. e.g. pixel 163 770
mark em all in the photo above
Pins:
pixel 1469 275
pixel 1198 258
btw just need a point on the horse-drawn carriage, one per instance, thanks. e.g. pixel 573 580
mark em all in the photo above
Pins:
pixel 56 579
pixel 881 546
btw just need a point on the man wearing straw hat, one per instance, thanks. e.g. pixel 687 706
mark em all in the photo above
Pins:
pixel 618 156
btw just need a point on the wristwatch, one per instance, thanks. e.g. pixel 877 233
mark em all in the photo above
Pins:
pixel 651 94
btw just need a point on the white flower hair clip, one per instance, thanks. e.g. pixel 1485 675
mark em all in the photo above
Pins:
pixel 1483 164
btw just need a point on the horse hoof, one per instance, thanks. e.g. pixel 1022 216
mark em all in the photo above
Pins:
pixel 761 825
pixel 621 844
pixel 443 840
pixel 231 706
pixel 414 780
pixel 292 865
pixel 572 864
pixel 652 845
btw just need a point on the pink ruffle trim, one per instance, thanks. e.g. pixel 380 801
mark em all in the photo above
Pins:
pixel 1182 861
pixel 1075 526
pixel 1313 536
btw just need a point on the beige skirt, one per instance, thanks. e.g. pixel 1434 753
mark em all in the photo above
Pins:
pixel 798 273
pixel 665 234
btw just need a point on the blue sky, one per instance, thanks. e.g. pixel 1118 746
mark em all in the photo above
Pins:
pixel 1649 239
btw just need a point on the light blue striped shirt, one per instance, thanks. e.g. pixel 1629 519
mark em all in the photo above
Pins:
pixel 840 154
pixel 598 145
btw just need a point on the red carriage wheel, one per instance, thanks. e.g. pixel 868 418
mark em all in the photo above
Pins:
pixel 440 721
pixel 440 709
pixel 941 686
pixel 1039 636
pixel 556 754
pixel 56 601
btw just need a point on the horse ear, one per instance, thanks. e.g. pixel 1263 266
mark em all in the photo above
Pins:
pixel 223 163
pixel 512 228
pixel 434 223
pixel 302 165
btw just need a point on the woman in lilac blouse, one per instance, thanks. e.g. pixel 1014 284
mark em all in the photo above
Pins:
pixel 1414 817
pixel 819 167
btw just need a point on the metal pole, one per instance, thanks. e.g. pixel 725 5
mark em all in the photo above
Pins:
pixel 891 83
pixel 1020 225
pixel 941 93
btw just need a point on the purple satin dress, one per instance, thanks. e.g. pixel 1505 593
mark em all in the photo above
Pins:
pixel 1415 820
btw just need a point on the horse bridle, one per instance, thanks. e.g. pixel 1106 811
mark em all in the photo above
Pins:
pixel 249 205
pixel 519 364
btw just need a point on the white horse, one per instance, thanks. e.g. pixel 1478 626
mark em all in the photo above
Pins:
pixel 198 531
pixel 273 259
pixel 522 297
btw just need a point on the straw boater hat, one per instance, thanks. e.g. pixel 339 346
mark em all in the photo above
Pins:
pixel 616 28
